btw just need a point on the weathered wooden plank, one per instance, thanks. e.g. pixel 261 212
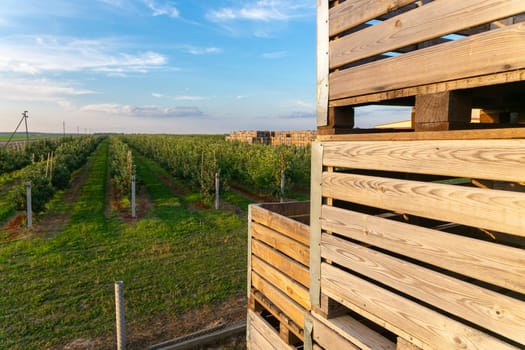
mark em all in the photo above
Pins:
pixel 497 210
pixel 287 306
pixel 494 311
pixel 486 159
pixel 284 321
pixel 292 289
pixel 428 329
pixel 286 226
pixel 489 262
pixel 287 246
pixel 491 134
pixel 403 344
pixel 282 263
pixel 330 339
pixel 323 68
pixel 352 13
pixel 427 22
pixel 434 87
pixel 486 53
pixel 442 111
pixel 315 223
pixel 262 335
pixel 356 332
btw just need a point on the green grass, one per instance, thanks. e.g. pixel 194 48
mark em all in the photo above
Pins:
pixel 176 258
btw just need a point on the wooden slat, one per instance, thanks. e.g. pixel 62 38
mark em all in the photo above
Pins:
pixel 288 246
pixel 330 339
pixel 286 226
pixel 262 335
pixel 497 210
pixel 494 311
pixel 282 263
pixel 428 22
pixel 433 87
pixel 287 306
pixel 491 134
pixel 487 159
pixel 403 316
pixel 292 289
pixel 352 13
pixel 316 180
pixel 403 344
pixel 322 65
pixel 490 52
pixel 489 262
pixel 356 332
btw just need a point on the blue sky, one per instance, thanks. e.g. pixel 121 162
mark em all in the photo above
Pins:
pixel 158 66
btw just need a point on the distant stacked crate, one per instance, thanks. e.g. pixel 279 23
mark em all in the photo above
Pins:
pixel 275 138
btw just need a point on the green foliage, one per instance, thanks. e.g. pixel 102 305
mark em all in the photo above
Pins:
pixel 50 174
pixel 197 159
pixel 121 166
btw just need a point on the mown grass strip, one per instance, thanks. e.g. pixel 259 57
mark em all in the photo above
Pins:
pixel 60 289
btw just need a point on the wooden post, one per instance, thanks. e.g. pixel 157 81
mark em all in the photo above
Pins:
pixel 442 111
pixel 216 191
pixel 315 223
pixel 133 207
pixel 29 205
pixel 120 317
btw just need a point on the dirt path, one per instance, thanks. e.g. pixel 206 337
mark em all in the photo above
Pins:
pixel 51 223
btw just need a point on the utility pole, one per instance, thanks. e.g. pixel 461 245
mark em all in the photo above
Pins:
pixel 24 118
pixel 64 127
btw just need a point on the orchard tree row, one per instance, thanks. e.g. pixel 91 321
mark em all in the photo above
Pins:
pixel 197 159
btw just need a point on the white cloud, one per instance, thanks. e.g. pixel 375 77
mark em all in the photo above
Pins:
pixel 39 54
pixel 202 50
pixel 164 9
pixel 157 95
pixel 262 10
pixel 190 98
pixel 42 90
pixel 143 111
pixel 274 55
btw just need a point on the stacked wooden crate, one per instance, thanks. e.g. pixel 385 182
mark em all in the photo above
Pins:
pixel 441 57
pixel 420 240
pixel 417 238
pixel 278 275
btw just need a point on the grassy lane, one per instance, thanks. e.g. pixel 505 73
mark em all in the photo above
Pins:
pixel 51 288
pixel 175 259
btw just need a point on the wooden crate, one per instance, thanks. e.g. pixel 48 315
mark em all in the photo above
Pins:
pixel 278 276
pixel 421 235
pixel 441 57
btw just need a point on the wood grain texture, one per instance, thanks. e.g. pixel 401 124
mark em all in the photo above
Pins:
pixel 430 329
pixel 489 262
pixel 262 335
pixel 496 210
pixel 330 339
pixel 494 311
pixel 427 22
pixel 486 159
pixel 490 134
pixel 322 65
pixel 356 332
pixel 287 285
pixel 286 226
pixel 352 13
pixel 285 245
pixel 403 344
pixel 281 262
pixel 316 180
pixel 490 52
pixel 287 306
pixel 431 88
